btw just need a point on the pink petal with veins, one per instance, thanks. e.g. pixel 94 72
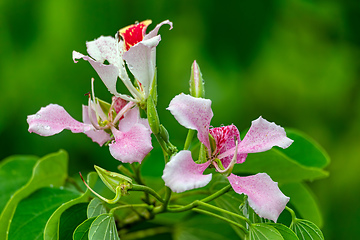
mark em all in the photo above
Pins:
pixel 131 146
pixel 193 113
pixel 52 119
pixel 262 136
pixel 225 138
pixel 182 173
pixel 98 136
pixel 264 195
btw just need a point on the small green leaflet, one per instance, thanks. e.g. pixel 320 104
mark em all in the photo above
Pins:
pixel 262 231
pixel 103 228
pixel 95 208
pixel 82 231
pixel 306 230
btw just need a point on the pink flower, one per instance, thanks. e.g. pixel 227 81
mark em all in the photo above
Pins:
pixel 133 45
pixel 182 173
pixel 119 123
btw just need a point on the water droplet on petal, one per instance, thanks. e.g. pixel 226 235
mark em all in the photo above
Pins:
pixel 46 127
pixel 38 115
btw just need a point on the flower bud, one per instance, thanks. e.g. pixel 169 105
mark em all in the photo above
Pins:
pixel 113 180
pixel 197 88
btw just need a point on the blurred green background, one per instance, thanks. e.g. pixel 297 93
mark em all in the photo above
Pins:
pixel 293 62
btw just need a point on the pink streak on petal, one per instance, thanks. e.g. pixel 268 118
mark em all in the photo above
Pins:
pixel 264 195
pixel 98 136
pixel 182 173
pixel 225 139
pixel 193 113
pixel 131 146
pixel 155 31
pixel 52 119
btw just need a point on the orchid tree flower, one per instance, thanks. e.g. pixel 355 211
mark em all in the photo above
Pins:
pixel 132 45
pixel 118 123
pixel 182 173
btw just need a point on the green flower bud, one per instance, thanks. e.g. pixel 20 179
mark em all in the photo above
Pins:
pixel 152 116
pixel 197 88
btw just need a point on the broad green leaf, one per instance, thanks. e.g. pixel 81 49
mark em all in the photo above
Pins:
pixel 103 227
pixel 285 232
pixel 15 172
pixel 82 231
pixel 263 231
pixel 51 170
pixel 51 231
pixel 33 212
pixel 280 167
pixel 304 202
pixel 70 219
pixel 305 150
pixel 306 230
pixel 95 208
pixel 201 227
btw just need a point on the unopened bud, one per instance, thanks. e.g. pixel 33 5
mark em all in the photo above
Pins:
pixel 152 116
pixel 197 88
pixel 113 180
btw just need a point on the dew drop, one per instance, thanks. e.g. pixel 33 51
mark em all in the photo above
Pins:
pixel 38 115
pixel 51 185
pixel 46 127
pixel 61 187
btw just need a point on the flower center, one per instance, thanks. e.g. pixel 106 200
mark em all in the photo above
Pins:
pixel 134 33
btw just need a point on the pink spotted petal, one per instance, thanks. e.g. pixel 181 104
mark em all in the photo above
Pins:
pixel 130 119
pixel 264 195
pixel 140 59
pixel 131 146
pixel 225 138
pixel 52 119
pixel 262 136
pixel 193 113
pixel 182 173
pixel 155 31
pixel 98 136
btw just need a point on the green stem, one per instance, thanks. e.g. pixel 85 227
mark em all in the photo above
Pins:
pixel 148 190
pixel 196 202
pixel 189 138
pixel 293 215
pixel 225 212
pixel 222 218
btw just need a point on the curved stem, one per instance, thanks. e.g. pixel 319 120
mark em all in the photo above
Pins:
pixel 148 190
pixel 222 218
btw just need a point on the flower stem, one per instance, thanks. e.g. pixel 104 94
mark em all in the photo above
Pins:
pixel 146 233
pixel 293 216
pixel 222 218
pixel 148 190
pixel 189 138
pixel 142 205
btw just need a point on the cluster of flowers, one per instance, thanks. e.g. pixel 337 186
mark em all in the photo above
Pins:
pixel 129 136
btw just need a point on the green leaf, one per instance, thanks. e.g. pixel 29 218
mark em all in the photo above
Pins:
pixel 305 150
pixel 304 202
pixel 306 230
pixel 70 219
pixel 33 212
pixel 285 232
pixel 51 231
pixel 50 170
pixel 82 231
pixel 263 231
pixel 280 167
pixel 15 172
pixel 201 227
pixel 95 208
pixel 103 228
